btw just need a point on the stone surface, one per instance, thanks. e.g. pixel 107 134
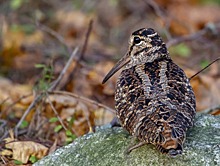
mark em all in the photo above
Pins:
pixel 107 147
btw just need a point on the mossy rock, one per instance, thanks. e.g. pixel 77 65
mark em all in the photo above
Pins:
pixel 108 146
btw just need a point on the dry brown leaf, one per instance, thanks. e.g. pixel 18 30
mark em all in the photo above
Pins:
pixel 12 38
pixel 73 25
pixel 11 138
pixel 216 112
pixel 96 76
pixel 6 152
pixel 69 107
pixel 206 89
pixel 102 116
pixel 187 22
pixel 13 91
pixel 53 147
pixel 64 100
pixel 211 93
pixel 99 71
pixel 22 150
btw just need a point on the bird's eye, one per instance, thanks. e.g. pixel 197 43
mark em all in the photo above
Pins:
pixel 137 40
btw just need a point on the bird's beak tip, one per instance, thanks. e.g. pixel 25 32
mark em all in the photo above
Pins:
pixel 122 62
pixel 103 81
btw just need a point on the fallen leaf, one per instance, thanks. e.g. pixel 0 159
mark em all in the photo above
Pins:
pixel 53 147
pixel 22 150
pixel 6 152
pixel 206 89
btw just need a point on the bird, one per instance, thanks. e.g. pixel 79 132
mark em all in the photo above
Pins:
pixel 154 100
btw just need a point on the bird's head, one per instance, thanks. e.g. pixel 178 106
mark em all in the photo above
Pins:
pixel 145 45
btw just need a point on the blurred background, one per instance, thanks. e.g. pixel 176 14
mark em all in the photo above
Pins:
pixel 37 38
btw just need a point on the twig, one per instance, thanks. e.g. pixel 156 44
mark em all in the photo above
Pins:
pixel 3 124
pixel 209 27
pixel 57 81
pixel 54 34
pixel 77 60
pixel 83 99
pixel 3 160
pixel 55 111
pixel 156 8
pixel 18 100
pixel 86 39
pixel 4 136
pixel 211 110
pixel 52 87
pixel 31 106
pixel 160 13
pixel 213 28
pixel 4 101
pixel 204 68
pixel 193 36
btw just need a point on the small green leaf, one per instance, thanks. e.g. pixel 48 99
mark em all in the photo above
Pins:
pixel 15 4
pixel 39 65
pixel 204 63
pixel 48 69
pixel 17 162
pixel 68 133
pixel 210 2
pixel 57 128
pixel 15 27
pixel 69 139
pixel 28 28
pixel 181 49
pixel 47 76
pixel 74 136
pixel 24 124
pixel 71 120
pixel 33 159
pixel 53 120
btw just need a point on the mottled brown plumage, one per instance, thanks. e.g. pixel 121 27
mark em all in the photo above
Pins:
pixel 154 99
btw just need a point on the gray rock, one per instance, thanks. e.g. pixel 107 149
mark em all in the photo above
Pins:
pixel 107 147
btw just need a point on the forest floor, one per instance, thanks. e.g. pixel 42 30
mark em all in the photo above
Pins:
pixel 54 55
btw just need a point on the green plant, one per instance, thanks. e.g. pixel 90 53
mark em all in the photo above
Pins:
pixel 33 159
pixel 47 75
pixel 70 136
pixel 16 162
pixel 24 124
pixel 181 50
pixel 15 4
pixel 204 63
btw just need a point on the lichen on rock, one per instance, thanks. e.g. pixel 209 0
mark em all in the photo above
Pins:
pixel 107 147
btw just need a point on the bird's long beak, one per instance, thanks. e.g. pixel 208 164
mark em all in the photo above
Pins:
pixel 122 62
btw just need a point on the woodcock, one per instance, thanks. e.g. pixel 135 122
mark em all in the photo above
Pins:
pixel 154 99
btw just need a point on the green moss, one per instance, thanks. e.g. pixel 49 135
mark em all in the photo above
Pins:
pixel 107 147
